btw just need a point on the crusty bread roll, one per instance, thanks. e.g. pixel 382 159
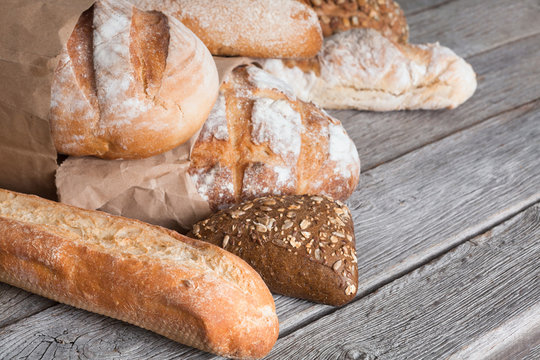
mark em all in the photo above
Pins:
pixel 259 140
pixel 256 28
pixel 187 290
pixel 302 246
pixel 385 16
pixel 130 84
pixel 361 69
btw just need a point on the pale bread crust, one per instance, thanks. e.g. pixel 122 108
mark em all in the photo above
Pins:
pixel 130 84
pixel 361 69
pixel 185 289
pixel 254 28
pixel 260 140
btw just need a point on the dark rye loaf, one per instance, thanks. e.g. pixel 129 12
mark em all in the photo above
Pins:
pixel 302 246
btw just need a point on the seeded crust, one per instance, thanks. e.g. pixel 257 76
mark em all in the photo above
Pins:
pixel 385 16
pixel 302 246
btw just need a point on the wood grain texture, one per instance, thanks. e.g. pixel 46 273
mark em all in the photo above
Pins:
pixel 473 26
pixel 483 289
pixel 411 7
pixel 381 137
pixel 63 332
pixel 16 304
pixel 407 210
pixel 420 205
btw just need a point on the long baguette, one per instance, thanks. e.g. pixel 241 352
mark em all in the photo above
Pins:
pixel 187 290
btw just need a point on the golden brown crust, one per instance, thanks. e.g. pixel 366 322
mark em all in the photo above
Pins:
pixel 254 28
pixel 259 140
pixel 302 246
pixel 385 16
pixel 132 90
pixel 205 297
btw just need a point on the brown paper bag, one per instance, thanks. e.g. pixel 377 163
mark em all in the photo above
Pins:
pixel 156 190
pixel 33 33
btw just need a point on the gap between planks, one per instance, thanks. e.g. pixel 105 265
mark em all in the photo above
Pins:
pixel 510 188
pixel 466 304
pixel 481 231
pixel 446 135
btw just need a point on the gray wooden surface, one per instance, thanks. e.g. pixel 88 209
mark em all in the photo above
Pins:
pixel 446 218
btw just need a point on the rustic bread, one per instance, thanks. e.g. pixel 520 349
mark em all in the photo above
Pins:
pixel 259 140
pixel 256 28
pixel 361 69
pixel 302 246
pixel 187 290
pixel 386 16
pixel 130 84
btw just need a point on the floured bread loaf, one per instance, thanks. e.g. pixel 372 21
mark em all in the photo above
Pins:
pixel 385 16
pixel 361 69
pixel 130 84
pixel 256 28
pixel 260 140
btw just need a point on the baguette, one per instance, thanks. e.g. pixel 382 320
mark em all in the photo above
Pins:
pixel 361 69
pixel 187 290
pixel 255 28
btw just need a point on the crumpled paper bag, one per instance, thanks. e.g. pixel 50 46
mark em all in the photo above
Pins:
pixel 33 34
pixel 156 189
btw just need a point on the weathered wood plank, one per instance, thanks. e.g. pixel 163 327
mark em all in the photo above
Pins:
pixel 381 137
pixel 411 7
pixel 476 179
pixel 468 304
pixel 63 332
pixel 16 304
pixel 508 77
pixel 420 205
pixel 473 26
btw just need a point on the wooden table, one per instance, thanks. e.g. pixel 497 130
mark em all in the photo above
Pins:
pixel 447 220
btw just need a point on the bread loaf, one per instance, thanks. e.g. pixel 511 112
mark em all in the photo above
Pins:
pixel 256 28
pixel 130 84
pixel 260 140
pixel 302 246
pixel 361 69
pixel 386 16
pixel 187 290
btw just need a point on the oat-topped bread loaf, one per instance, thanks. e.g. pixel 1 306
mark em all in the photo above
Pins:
pixel 130 84
pixel 256 28
pixel 187 290
pixel 361 69
pixel 385 16
pixel 302 246
pixel 260 140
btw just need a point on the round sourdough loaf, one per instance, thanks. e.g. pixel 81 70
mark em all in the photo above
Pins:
pixel 260 140
pixel 130 84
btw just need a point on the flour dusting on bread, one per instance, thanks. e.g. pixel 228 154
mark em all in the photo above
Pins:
pixel 276 123
pixel 276 146
pixel 361 69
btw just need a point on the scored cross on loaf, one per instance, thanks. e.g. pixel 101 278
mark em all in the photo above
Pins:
pixel 260 140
